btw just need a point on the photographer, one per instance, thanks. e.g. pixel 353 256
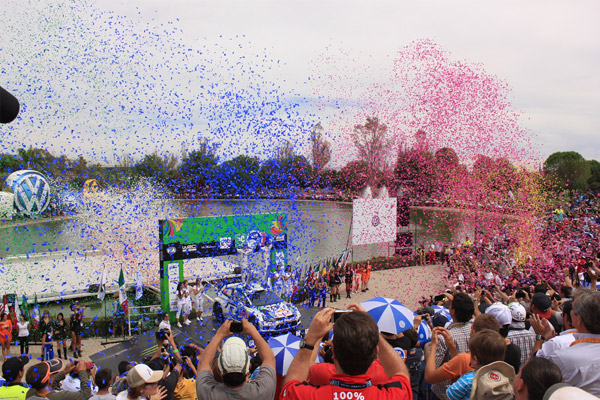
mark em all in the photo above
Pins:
pixel 167 360
pixel 234 365
pixel 43 376
pixel 356 344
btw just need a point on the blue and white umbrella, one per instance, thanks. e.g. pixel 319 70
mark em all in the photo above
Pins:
pixel 424 332
pixel 285 348
pixel 442 310
pixel 391 315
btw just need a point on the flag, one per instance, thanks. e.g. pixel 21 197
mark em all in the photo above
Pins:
pixel 35 313
pixel 138 285
pixel 122 292
pixel 102 288
pixel 24 306
pixel 4 306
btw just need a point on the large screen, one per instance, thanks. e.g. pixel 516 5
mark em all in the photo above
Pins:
pixel 373 221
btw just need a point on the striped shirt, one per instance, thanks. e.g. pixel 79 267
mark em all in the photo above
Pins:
pixel 461 389
pixel 460 331
pixel 523 339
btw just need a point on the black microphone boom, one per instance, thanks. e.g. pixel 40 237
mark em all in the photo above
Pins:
pixel 9 106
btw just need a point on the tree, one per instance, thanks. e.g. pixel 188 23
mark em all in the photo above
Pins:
pixel 356 175
pixel 157 167
pixel 568 170
pixel 239 176
pixel 415 171
pixel 199 168
pixel 320 149
pixel 285 152
pixel 373 145
pixel 594 179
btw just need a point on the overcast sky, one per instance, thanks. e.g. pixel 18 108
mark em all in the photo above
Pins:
pixel 547 51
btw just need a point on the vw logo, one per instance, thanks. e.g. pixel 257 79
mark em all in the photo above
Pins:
pixel 31 190
pixel 375 221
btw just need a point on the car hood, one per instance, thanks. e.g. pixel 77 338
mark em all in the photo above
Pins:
pixel 278 311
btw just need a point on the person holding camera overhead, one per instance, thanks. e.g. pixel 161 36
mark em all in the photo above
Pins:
pixel 234 365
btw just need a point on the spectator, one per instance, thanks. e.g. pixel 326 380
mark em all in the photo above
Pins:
pixel 167 360
pixel 461 311
pixel 23 335
pixel 548 343
pixel 186 385
pixel 143 384
pixel 580 362
pixel 460 364
pixel 72 381
pixel 487 348
pixel 234 364
pixel 120 383
pixel 542 306
pixel 39 375
pixel 416 365
pixel 13 371
pixel 103 379
pixel 517 334
pixel 356 343
pixel 515 355
pixel 165 324
pixel 534 379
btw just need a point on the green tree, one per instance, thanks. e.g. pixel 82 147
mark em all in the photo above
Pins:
pixel 568 170
pixel 594 179
pixel 239 176
pixel 200 168
pixel 415 171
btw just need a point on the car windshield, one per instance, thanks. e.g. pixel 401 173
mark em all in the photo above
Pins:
pixel 263 298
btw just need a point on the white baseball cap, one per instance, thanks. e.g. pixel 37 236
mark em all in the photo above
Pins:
pixel 501 313
pixel 142 374
pixel 234 357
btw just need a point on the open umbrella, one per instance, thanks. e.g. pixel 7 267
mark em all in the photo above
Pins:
pixel 285 348
pixel 424 332
pixel 442 310
pixel 390 315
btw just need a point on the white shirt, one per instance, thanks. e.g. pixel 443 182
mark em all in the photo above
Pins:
pixel 556 343
pixel 23 328
pixel 580 364
pixel 71 384
pixel 164 325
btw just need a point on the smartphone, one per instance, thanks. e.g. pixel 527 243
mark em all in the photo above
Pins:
pixel 338 313
pixel 236 327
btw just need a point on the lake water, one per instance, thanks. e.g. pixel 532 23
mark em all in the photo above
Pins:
pixel 69 254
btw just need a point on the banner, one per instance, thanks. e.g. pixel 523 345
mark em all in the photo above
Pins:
pixel 373 221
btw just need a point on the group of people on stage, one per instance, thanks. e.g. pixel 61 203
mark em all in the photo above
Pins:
pixel 190 298
pixel 51 331
pixel 355 279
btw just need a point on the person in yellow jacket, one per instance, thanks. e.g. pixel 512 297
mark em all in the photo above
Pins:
pixel 13 371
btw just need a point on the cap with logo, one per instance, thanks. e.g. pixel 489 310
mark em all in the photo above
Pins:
pixel 40 373
pixel 518 315
pixel 493 381
pixel 142 374
pixel 234 357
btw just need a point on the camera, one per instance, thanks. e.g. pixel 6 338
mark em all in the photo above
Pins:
pixel 337 314
pixel 236 327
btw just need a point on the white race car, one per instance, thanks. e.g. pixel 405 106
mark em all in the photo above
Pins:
pixel 270 314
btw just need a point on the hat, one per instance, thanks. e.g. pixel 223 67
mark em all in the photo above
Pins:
pixel 518 315
pixel 234 357
pixel 501 313
pixel 141 374
pixel 493 381
pixel 40 373
pixel 439 319
pixel 542 302
pixel 12 367
pixel 564 391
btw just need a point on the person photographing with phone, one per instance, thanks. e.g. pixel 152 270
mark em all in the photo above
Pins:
pixel 234 364
pixel 356 344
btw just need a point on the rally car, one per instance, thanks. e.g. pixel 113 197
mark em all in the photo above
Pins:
pixel 270 314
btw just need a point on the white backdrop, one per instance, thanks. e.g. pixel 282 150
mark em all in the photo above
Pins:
pixel 373 221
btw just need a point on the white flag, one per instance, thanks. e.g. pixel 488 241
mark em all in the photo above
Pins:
pixel 138 285
pixel 102 288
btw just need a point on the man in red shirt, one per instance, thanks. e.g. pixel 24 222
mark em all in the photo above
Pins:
pixel 356 343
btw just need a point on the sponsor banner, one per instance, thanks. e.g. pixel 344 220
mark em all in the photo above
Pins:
pixel 188 238
pixel 373 221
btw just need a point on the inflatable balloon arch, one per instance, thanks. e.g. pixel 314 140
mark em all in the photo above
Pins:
pixel 27 192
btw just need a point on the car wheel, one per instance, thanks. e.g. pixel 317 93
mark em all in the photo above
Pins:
pixel 218 313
